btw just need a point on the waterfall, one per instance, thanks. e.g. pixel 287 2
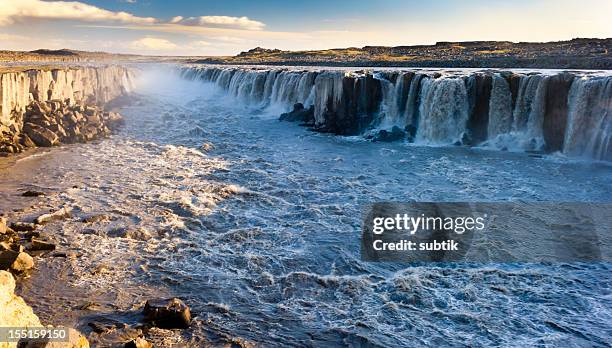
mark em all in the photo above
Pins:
pixel 589 130
pixel 443 110
pixel 528 86
pixel 500 107
pixel 559 112
pixel 411 109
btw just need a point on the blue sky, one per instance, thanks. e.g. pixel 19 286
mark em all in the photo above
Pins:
pixel 228 27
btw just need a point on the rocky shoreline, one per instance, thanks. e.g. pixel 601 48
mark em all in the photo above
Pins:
pixel 18 243
pixel 49 111
pixel 55 122
pixel 25 242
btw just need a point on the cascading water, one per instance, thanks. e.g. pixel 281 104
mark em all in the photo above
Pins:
pixel 500 107
pixel 549 111
pixel 443 109
pixel 589 130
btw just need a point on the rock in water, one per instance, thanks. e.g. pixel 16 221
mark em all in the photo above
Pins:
pixel 33 194
pixel 131 233
pixel 15 261
pixel 168 314
pixel 385 136
pixel 40 245
pixel 138 343
pixel 299 113
pixel 57 215
pixel 23 226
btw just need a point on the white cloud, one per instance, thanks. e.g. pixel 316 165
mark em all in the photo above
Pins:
pixel 176 19
pixel 153 44
pixel 12 11
pixel 220 22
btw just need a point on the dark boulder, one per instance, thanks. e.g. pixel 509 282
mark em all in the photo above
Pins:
pixel 388 136
pixel 411 132
pixel 30 193
pixel 23 226
pixel 40 245
pixel 41 136
pixel 299 114
pixel 167 314
pixel 15 261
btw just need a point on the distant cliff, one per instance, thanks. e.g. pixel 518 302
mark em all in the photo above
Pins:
pixel 572 54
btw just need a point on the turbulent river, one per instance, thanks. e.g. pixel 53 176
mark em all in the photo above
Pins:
pixel 258 231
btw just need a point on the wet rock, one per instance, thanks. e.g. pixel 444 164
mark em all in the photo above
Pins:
pixel 30 234
pixel 411 132
pixel 40 135
pixel 30 193
pixel 40 245
pixel 96 218
pixel 131 233
pixel 299 114
pixel 57 215
pixel 100 328
pixel 167 314
pixel 207 147
pixel 23 226
pixel 15 261
pixel 90 231
pixel 395 134
pixel 138 343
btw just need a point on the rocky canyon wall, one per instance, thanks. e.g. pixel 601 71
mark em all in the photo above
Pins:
pixel 55 90
pixel 550 111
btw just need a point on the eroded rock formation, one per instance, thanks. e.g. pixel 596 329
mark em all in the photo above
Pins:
pixel 48 107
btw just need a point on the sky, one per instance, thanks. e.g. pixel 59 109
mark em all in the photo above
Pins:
pixel 208 28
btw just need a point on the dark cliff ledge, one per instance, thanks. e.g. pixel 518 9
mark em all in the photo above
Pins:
pixel 572 54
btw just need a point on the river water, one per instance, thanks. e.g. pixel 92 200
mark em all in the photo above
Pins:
pixel 258 231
